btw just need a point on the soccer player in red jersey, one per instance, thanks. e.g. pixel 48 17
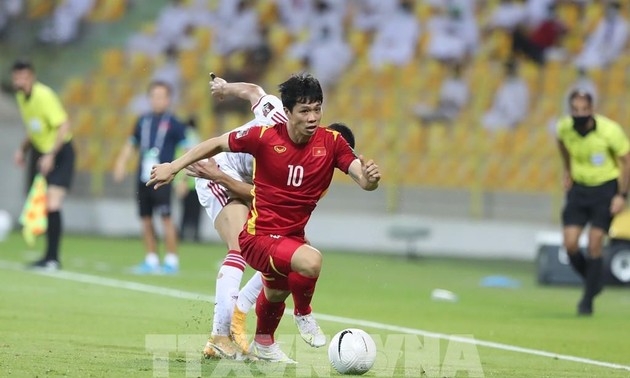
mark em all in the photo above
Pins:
pixel 293 167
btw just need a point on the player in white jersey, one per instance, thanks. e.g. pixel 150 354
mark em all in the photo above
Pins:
pixel 226 199
pixel 225 193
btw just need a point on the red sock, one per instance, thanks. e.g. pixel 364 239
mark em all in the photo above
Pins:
pixel 302 289
pixel 269 315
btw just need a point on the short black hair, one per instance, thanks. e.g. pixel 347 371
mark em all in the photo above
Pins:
pixel 580 93
pixel 160 83
pixel 345 132
pixel 302 88
pixel 22 64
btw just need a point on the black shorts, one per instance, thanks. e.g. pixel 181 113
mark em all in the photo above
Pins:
pixel 589 204
pixel 150 199
pixel 63 171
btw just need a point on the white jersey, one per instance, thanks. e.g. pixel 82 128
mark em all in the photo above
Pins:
pixel 213 197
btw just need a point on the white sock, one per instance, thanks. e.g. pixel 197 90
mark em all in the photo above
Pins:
pixel 248 294
pixel 228 282
pixel 152 259
pixel 171 259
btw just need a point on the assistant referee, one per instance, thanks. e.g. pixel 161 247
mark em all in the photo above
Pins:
pixel 49 148
pixel 596 156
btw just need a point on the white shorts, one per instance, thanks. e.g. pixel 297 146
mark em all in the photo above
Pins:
pixel 212 196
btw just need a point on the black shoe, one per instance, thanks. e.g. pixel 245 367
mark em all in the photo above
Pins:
pixel 585 307
pixel 47 265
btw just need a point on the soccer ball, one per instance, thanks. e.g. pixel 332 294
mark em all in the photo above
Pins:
pixel 352 351
pixel 5 224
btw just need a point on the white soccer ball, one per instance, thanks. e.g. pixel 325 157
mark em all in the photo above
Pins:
pixel 352 351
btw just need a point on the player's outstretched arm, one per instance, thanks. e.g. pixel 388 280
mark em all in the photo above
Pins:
pixel 366 174
pixel 163 174
pixel 247 91
pixel 209 170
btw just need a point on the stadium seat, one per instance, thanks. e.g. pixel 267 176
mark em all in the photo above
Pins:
pixel 36 9
pixel 108 10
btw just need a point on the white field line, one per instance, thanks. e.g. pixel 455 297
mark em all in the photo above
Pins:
pixel 181 294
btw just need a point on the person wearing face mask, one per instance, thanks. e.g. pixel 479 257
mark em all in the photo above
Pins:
pixel 596 158
pixel 48 149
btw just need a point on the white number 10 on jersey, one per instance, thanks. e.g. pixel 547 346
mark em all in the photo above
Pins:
pixel 296 174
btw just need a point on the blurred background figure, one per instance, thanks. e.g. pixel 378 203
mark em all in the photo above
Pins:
pixel 156 136
pixel 608 40
pixel 396 37
pixel 511 101
pixel 63 26
pixel 535 43
pixel 454 96
pixel 47 149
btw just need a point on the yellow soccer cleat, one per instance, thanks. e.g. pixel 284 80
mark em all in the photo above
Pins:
pixel 238 330
pixel 220 347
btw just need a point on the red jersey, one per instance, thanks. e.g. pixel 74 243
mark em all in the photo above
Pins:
pixel 289 178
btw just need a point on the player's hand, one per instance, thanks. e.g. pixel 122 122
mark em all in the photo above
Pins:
pixel 161 174
pixel 18 158
pixel 206 169
pixel 617 204
pixel 46 164
pixel 370 170
pixel 217 86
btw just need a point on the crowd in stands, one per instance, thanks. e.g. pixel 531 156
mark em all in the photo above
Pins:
pixel 328 37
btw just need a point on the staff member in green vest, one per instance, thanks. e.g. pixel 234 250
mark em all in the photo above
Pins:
pixel 596 156
pixel 48 145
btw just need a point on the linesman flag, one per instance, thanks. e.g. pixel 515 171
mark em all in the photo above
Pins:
pixel 34 217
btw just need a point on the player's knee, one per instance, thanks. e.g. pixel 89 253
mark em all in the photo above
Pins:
pixel 311 265
pixel 571 246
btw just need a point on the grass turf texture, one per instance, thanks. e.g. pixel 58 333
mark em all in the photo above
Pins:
pixel 56 327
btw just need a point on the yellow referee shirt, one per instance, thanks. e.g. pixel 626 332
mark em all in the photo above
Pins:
pixel 594 156
pixel 42 114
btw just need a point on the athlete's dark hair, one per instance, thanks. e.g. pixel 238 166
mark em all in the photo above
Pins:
pixel 345 132
pixel 580 93
pixel 22 64
pixel 302 88
pixel 160 83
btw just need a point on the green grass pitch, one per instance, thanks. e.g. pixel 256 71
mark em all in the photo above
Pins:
pixel 63 325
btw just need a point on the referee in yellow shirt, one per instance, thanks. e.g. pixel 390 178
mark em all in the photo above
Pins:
pixel 48 144
pixel 596 156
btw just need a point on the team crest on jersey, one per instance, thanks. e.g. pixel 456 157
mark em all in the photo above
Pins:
pixel 319 151
pixel 279 149
pixel 241 133
pixel 267 108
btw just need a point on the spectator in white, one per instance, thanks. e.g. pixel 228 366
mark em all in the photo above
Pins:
pixel 396 37
pixel 172 22
pixel 367 14
pixel 9 9
pixel 454 95
pixel 63 26
pixel 318 58
pixel 537 11
pixel 294 14
pixel 608 40
pixel 508 15
pixel 239 32
pixel 447 40
pixel 511 102
pixel 467 22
